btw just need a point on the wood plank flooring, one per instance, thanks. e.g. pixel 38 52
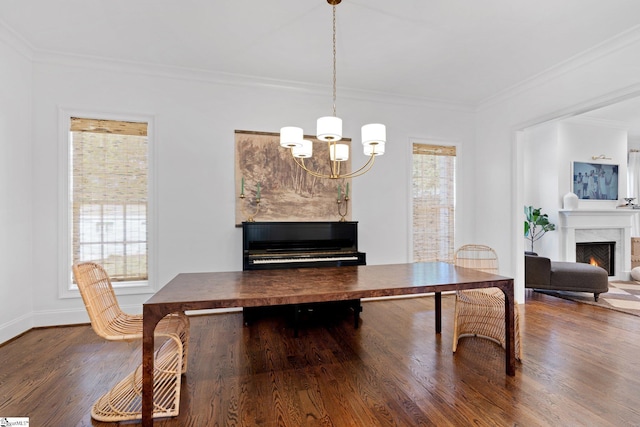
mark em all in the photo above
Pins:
pixel 581 368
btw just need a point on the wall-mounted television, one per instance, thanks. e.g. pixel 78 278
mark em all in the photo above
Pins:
pixel 595 181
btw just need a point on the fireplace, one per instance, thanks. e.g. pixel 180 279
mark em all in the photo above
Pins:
pixel 601 254
pixel 599 226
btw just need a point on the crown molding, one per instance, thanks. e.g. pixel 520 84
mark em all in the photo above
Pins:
pixel 579 60
pixel 595 121
pixel 230 79
pixel 584 107
pixel 12 39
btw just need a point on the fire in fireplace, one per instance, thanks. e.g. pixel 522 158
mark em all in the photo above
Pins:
pixel 601 254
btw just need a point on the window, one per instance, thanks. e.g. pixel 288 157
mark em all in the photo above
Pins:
pixel 108 187
pixel 433 192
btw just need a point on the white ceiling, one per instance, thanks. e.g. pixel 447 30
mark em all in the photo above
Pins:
pixel 459 51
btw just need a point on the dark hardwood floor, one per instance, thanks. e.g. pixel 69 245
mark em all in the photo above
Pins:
pixel 581 367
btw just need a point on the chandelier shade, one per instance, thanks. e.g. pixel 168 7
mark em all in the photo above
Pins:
pixel 374 150
pixel 373 134
pixel 291 136
pixel 304 151
pixel 339 152
pixel 329 129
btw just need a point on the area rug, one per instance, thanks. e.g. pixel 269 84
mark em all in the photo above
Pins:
pixel 622 296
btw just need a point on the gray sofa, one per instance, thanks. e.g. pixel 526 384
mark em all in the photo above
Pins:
pixel 542 273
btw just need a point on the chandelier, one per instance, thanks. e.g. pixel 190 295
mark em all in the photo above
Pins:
pixel 329 129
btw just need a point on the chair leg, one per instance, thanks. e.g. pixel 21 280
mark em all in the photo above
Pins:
pixel 124 401
pixel 466 308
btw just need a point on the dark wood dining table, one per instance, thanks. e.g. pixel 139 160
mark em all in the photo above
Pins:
pixel 199 291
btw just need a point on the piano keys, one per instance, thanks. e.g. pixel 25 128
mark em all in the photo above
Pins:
pixel 308 260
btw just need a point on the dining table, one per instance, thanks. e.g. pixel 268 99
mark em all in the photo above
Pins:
pixel 261 288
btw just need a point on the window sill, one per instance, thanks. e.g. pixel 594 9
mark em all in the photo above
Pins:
pixel 132 288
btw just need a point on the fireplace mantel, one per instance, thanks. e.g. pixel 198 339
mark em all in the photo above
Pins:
pixel 597 225
pixel 608 213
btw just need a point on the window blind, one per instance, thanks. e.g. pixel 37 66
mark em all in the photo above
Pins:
pixel 109 191
pixel 433 193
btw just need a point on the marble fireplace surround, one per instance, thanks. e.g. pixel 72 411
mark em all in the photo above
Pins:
pixel 603 225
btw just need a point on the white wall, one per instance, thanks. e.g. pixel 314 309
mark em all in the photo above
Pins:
pixel 541 173
pixel 195 119
pixel 16 278
pixel 607 74
pixel 580 141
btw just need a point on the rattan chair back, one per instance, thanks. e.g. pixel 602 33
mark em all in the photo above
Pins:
pixel 107 318
pixel 477 257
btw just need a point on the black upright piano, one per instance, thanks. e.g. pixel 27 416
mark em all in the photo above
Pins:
pixel 273 245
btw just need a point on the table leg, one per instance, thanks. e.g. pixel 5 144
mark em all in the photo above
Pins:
pixel 438 312
pixel 150 319
pixel 509 328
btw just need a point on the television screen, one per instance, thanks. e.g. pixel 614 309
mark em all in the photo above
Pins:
pixel 595 181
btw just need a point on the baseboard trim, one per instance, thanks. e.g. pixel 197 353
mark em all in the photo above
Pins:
pixel 76 316
pixel 15 327
pixel 405 296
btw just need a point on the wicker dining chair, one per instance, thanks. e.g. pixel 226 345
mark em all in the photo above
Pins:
pixel 480 312
pixel 110 322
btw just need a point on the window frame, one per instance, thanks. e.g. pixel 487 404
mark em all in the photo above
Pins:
pixel 66 287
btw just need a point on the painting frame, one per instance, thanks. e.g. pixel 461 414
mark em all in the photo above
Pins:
pixel 286 191
pixel 595 181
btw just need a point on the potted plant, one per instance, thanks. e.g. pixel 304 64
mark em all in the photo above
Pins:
pixel 536 224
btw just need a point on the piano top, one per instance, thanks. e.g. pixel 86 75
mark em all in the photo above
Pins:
pixel 275 237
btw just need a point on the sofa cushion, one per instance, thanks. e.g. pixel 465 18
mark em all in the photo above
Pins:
pixel 579 277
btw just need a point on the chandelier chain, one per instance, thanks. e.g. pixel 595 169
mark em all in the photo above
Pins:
pixel 334 61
